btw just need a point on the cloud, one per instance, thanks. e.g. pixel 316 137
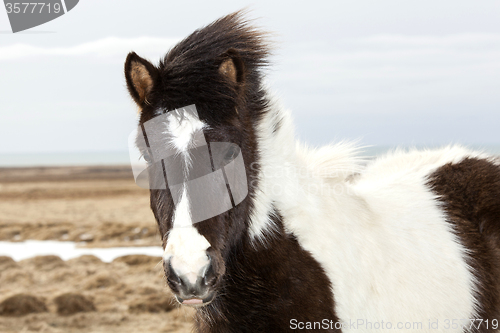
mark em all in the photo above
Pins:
pixel 399 50
pixel 346 87
pixel 457 40
pixel 394 72
pixel 106 48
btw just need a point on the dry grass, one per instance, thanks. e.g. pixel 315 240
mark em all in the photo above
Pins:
pixel 101 207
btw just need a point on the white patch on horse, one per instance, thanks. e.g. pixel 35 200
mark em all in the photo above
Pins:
pixel 182 129
pixel 186 247
pixel 281 161
pixel 378 231
pixel 383 238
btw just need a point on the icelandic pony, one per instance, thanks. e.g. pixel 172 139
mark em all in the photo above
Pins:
pixel 321 242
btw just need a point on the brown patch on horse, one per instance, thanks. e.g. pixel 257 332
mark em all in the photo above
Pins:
pixel 470 193
pixel 265 288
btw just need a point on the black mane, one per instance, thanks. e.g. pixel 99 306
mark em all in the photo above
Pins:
pixel 229 32
pixel 189 71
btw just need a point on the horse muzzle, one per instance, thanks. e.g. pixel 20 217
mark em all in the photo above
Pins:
pixel 192 291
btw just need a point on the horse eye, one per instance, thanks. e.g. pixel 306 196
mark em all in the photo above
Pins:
pixel 146 157
pixel 231 153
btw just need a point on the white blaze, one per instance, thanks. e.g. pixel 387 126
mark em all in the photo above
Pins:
pixel 183 129
pixel 186 247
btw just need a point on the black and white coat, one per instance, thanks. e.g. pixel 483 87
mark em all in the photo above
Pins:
pixel 411 237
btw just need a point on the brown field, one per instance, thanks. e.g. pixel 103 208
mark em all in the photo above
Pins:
pixel 99 207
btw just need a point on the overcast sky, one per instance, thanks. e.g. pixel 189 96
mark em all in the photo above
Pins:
pixel 385 72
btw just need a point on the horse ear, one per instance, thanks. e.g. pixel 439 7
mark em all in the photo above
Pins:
pixel 232 67
pixel 140 75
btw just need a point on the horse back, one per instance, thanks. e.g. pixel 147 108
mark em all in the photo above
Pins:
pixel 470 195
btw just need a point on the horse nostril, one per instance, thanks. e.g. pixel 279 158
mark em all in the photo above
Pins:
pixel 172 276
pixel 209 276
pixel 189 286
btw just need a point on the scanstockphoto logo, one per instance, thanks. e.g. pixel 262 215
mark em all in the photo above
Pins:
pixel 26 15
pixel 211 174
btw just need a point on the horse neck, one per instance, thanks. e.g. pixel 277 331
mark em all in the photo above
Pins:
pixel 295 180
pixel 270 271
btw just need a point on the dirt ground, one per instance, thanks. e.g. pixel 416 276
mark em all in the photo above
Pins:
pixel 98 207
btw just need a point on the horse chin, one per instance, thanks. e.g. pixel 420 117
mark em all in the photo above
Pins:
pixel 196 302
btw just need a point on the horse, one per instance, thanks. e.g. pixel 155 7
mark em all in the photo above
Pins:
pixel 321 240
